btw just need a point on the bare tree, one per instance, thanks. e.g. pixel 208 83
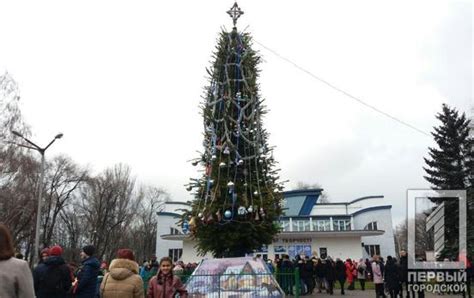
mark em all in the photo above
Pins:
pixel 10 114
pixel 323 198
pixel 153 201
pixel 108 203
pixel 17 203
pixel 62 180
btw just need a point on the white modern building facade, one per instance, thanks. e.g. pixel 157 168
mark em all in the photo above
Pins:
pixel 356 229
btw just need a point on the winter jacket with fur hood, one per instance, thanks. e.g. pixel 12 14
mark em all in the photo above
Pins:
pixel 122 281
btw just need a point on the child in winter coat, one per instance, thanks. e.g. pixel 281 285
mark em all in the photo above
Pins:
pixel 165 284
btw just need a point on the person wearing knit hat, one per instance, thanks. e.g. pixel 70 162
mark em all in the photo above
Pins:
pixel 122 280
pixel 125 253
pixel 52 278
pixel 86 285
pixel 56 251
pixel 89 250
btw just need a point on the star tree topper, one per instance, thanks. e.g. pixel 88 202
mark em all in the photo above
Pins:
pixel 235 12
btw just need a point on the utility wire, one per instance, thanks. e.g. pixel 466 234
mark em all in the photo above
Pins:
pixel 342 91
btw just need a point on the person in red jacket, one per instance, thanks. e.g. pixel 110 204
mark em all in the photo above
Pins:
pixel 164 284
pixel 350 269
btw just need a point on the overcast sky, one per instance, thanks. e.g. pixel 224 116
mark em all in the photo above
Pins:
pixel 123 80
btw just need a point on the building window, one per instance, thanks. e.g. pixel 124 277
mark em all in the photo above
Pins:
pixel 342 224
pixel 321 225
pixel 174 231
pixel 371 226
pixel 175 254
pixel 372 250
pixel 285 225
pixel 301 225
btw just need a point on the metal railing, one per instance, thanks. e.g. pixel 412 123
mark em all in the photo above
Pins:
pixel 265 285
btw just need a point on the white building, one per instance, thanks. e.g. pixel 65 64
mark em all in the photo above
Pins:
pixel 355 229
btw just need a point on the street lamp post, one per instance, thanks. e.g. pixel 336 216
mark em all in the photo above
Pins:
pixel 40 186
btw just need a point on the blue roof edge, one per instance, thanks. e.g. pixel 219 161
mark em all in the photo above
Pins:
pixel 302 192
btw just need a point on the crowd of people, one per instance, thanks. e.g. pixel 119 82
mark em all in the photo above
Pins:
pixel 390 276
pixel 54 278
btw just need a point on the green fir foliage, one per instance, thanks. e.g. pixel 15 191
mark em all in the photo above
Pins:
pixel 450 167
pixel 238 198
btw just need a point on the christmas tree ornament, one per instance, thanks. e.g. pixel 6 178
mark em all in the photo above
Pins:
pixel 200 214
pixel 227 214
pixel 185 227
pixel 192 224
pixel 241 210
pixel 240 162
pixel 222 164
pixel 230 184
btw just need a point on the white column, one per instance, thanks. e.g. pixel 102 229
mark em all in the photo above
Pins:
pixel 311 224
pixel 157 235
pixel 291 224
pixel 331 227
pixel 352 222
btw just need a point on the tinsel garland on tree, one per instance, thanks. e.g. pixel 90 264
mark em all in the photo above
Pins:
pixel 238 198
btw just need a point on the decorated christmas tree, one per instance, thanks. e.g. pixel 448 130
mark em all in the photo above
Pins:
pixel 237 201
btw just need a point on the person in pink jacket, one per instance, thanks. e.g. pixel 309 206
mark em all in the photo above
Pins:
pixel 377 271
pixel 164 284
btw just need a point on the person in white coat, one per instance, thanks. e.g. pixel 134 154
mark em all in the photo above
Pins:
pixel 15 275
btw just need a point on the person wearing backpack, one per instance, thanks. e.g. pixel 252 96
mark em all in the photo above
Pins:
pixel 361 273
pixel 52 278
